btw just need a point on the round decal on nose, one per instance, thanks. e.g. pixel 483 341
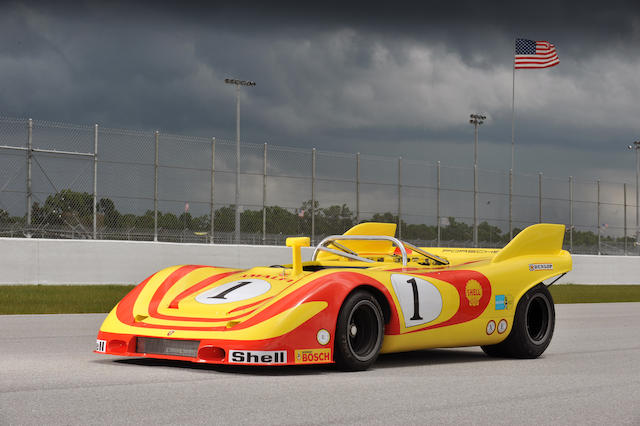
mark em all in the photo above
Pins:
pixel 502 326
pixel 323 337
pixel 491 327
pixel 234 292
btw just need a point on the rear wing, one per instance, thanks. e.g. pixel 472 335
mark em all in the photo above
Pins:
pixel 539 239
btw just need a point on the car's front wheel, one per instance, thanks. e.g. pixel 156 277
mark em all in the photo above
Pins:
pixel 359 331
pixel 532 329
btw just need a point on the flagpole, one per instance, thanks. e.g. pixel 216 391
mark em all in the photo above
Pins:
pixel 513 107
pixel 513 144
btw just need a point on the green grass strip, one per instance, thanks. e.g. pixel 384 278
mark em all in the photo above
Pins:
pixel 78 299
pixel 60 299
pixel 574 293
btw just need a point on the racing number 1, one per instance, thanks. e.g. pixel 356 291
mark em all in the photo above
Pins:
pixel 222 294
pixel 416 301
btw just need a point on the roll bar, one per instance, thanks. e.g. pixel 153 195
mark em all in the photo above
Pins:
pixel 348 254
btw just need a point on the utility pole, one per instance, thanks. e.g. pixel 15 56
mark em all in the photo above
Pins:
pixel 238 83
pixel 476 120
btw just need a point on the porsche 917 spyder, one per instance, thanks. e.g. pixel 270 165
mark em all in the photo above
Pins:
pixel 363 293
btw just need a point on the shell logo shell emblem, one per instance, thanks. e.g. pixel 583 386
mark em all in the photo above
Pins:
pixel 473 291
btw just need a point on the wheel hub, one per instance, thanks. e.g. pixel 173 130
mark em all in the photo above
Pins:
pixel 353 330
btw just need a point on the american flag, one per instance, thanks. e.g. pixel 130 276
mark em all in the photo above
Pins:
pixel 535 54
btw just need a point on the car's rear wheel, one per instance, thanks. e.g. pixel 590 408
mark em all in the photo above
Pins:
pixel 359 331
pixel 532 329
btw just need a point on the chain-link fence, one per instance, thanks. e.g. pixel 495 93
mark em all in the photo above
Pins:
pixel 66 181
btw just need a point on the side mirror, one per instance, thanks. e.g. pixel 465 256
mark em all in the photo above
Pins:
pixel 296 243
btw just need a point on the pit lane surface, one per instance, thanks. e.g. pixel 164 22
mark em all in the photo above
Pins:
pixel 590 374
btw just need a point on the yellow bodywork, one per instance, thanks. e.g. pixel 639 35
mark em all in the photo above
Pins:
pixel 509 271
pixel 533 256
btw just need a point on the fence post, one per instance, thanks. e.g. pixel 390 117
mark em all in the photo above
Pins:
pixel 598 213
pixel 539 197
pixel 212 211
pixel 571 213
pixel 624 197
pixel 399 197
pixel 438 204
pixel 95 181
pixel 510 204
pixel 357 188
pixel 155 190
pixel 29 157
pixel 313 196
pixel 264 196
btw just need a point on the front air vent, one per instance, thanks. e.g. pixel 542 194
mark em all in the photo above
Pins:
pixel 172 347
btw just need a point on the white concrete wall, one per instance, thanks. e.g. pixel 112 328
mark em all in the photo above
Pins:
pixel 39 261
pixel 590 269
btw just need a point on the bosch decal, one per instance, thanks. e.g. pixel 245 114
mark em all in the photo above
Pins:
pixel 311 356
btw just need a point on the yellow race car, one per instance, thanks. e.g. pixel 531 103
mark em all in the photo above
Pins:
pixel 362 294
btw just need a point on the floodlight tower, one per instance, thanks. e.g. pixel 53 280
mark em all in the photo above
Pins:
pixel 238 83
pixel 476 120
pixel 636 148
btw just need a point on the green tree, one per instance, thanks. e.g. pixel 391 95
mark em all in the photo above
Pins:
pixel 201 223
pixel 489 233
pixel 4 217
pixel 251 221
pixel 584 238
pixel 111 218
pixel 282 221
pixel 66 207
pixel 334 220
pixel 224 219
pixel 420 232
pixel 169 221
pixel 145 221
pixel 457 231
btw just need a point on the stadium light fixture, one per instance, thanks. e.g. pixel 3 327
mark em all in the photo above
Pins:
pixel 238 83
pixel 475 119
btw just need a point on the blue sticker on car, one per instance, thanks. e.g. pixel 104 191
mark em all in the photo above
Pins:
pixel 501 302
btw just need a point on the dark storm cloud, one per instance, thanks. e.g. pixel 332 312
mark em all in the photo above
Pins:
pixel 349 77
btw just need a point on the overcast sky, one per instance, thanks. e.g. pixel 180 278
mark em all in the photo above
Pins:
pixel 393 79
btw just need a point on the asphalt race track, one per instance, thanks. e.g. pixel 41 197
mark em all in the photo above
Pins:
pixel 589 375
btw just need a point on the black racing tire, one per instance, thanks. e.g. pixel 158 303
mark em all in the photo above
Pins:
pixel 532 329
pixel 359 332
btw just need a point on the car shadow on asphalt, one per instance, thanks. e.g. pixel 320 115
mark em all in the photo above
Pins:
pixel 396 360
pixel 431 357
pixel 255 370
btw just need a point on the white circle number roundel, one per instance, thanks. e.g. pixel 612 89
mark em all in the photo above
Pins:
pixel 234 291
pixel 420 301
